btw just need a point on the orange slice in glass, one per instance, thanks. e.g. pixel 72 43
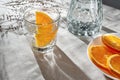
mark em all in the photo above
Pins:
pixel 111 41
pixel 99 55
pixel 45 32
pixel 114 63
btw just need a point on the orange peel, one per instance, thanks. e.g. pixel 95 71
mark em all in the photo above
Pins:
pixel 44 31
pixel 111 41
pixel 100 55
pixel 114 63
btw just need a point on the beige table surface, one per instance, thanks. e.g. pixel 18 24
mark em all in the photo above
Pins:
pixel 68 62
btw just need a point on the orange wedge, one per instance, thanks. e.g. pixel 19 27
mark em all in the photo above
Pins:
pixel 111 41
pixel 100 54
pixel 42 18
pixel 114 63
pixel 44 32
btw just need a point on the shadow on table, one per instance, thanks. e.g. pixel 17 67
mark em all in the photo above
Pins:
pixel 107 78
pixel 57 66
pixel 3 73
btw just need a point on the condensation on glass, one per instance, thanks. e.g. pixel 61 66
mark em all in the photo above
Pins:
pixel 85 17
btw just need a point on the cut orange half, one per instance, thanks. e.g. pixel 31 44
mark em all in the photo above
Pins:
pixel 111 41
pixel 45 32
pixel 114 63
pixel 100 54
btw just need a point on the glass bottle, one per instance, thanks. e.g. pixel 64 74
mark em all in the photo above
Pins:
pixel 85 17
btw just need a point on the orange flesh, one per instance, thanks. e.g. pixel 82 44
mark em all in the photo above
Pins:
pixel 111 41
pixel 99 54
pixel 45 32
pixel 105 70
pixel 114 63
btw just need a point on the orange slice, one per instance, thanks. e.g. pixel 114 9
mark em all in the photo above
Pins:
pixel 44 31
pixel 42 18
pixel 114 63
pixel 111 41
pixel 100 54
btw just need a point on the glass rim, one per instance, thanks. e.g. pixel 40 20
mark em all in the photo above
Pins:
pixel 53 21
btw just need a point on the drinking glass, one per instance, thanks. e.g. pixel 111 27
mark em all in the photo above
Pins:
pixel 42 26
pixel 85 17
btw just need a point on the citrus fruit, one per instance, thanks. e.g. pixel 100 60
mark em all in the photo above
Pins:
pixel 114 63
pixel 44 31
pixel 111 41
pixel 42 18
pixel 100 54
